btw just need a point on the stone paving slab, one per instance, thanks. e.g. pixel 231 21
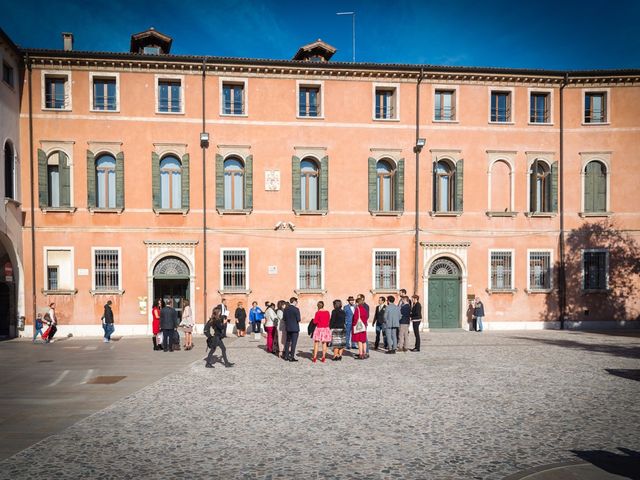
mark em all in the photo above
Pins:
pixel 482 406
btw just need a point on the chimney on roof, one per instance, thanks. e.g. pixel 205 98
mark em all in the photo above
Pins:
pixel 67 41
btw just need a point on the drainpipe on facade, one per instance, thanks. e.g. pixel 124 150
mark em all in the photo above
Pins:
pixel 416 149
pixel 562 294
pixel 204 193
pixel 31 191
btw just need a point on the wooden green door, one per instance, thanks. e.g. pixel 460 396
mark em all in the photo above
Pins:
pixel 444 295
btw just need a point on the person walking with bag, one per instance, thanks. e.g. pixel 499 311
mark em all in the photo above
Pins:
pixel 187 325
pixel 215 330
pixel 416 318
pixel 52 320
pixel 322 333
pixel 360 319
pixel 107 319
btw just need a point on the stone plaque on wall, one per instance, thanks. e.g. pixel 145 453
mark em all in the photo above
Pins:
pixel 272 180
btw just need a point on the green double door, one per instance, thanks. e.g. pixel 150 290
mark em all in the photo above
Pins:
pixel 444 302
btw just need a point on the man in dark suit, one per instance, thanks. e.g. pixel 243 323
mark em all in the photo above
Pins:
pixel 168 324
pixel 291 318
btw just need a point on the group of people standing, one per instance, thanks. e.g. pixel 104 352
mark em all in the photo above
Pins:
pixel 165 324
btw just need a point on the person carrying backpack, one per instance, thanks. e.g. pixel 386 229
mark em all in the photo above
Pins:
pixel 215 331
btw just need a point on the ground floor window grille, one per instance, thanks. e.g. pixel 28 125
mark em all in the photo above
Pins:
pixel 501 270
pixel 52 277
pixel 594 268
pixel 107 274
pixel 234 270
pixel 539 270
pixel 386 270
pixel 310 269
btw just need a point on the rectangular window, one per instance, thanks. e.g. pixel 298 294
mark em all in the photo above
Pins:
pixel 310 270
pixel 539 270
pixel 385 270
pixel 539 108
pixel 104 94
pixel 233 99
pixel 170 96
pixel 501 270
pixel 55 92
pixel 595 269
pixel 7 74
pixel 385 104
pixel 107 269
pixel 59 269
pixel 445 105
pixel 234 270
pixel 309 101
pixel 595 107
pixel 500 106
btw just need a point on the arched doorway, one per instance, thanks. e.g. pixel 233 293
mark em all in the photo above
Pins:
pixel 171 282
pixel 444 294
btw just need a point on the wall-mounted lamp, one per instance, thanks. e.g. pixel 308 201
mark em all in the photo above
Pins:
pixel 420 143
pixel 204 140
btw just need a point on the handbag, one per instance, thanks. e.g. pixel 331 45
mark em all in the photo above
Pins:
pixel 359 328
pixel 311 328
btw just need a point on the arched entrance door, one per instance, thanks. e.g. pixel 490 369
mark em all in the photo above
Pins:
pixel 171 282
pixel 444 294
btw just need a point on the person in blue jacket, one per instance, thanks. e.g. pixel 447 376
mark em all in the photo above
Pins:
pixel 256 315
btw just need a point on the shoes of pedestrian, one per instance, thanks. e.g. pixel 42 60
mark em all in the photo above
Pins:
pixel 415 349
pixel 208 365
pixel 389 351
pixel 165 350
pixel 313 359
pixel 323 359
pixel 404 350
pixel 292 359
pixel 229 365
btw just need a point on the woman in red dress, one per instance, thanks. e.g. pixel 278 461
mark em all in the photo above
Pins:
pixel 155 324
pixel 322 333
pixel 360 314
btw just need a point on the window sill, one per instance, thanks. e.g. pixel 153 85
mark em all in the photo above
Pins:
pixel 234 292
pixel 542 124
pixel 12 201
pixel 169 113
pixel 453 120
pixel 310 291
pixel 170 211
pixel 384 291
pixel 93 110
pixel 390 213
pixel 242 211
pixel 58 292
pixel 385 119
pixel 502 123
pixel 541 214
pixel 310 117
pixel 106 292
pixel 48 109
pixel 591 124
pixel 445 214
pixel 605 291
pixel 58 209
pixel 501 214
pixel 508 291
pixel 311 212
pixel 538 290
pixel 595 214
pixel 93 210
pixel 241 115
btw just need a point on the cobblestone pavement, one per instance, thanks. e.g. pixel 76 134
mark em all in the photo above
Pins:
pixel 468 406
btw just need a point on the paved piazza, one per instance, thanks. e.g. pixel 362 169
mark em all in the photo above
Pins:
pixel 485 406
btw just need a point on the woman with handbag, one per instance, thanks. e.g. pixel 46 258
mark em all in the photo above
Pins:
pixel 322 333
pixel 155 324
pixel 187 325
pixel 360 318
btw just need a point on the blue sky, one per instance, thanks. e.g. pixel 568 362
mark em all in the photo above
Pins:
pixel 545 34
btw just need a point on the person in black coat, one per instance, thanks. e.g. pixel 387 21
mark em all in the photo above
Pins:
pixel 168 324
pixel 416 318
pixel 215 330
pixel 107 319
pixel 291 318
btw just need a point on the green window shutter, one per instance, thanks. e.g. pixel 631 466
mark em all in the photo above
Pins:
pixel 554 187
pixel 119 180
pixel 459 206
pixel 399 184
pixel 184 180
pixel 373 185
pixel 248 182
pixel 533 197
pixel 43 181
pixel 155 180
pixel 295 183
pixel 91 179
pixel 600 188
pixel 324 183
pixel 65 180
pixel 219 182
pixel 434 190
pixel 589 190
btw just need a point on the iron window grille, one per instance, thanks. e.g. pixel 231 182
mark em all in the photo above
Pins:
pixel 386 270
pixel 539 270
pixel 595 270
pixel 107 270
pixel 501 271
pixel 310 269
pixel 234 270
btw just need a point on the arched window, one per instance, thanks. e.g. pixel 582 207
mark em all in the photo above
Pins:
pixel 500 187
pixel 445 186
pixel 233 184
pixel 540 184
pixel 309 174
pixel 106 181
pixel 170 182
pixel 385 172
pixel 595 187
pixel 8 170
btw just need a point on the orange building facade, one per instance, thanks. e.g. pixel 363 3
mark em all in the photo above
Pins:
pixel 310 181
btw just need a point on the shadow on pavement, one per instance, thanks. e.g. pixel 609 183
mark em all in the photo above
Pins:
pixel 626 464
pixel 629 373
pixel 628 351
